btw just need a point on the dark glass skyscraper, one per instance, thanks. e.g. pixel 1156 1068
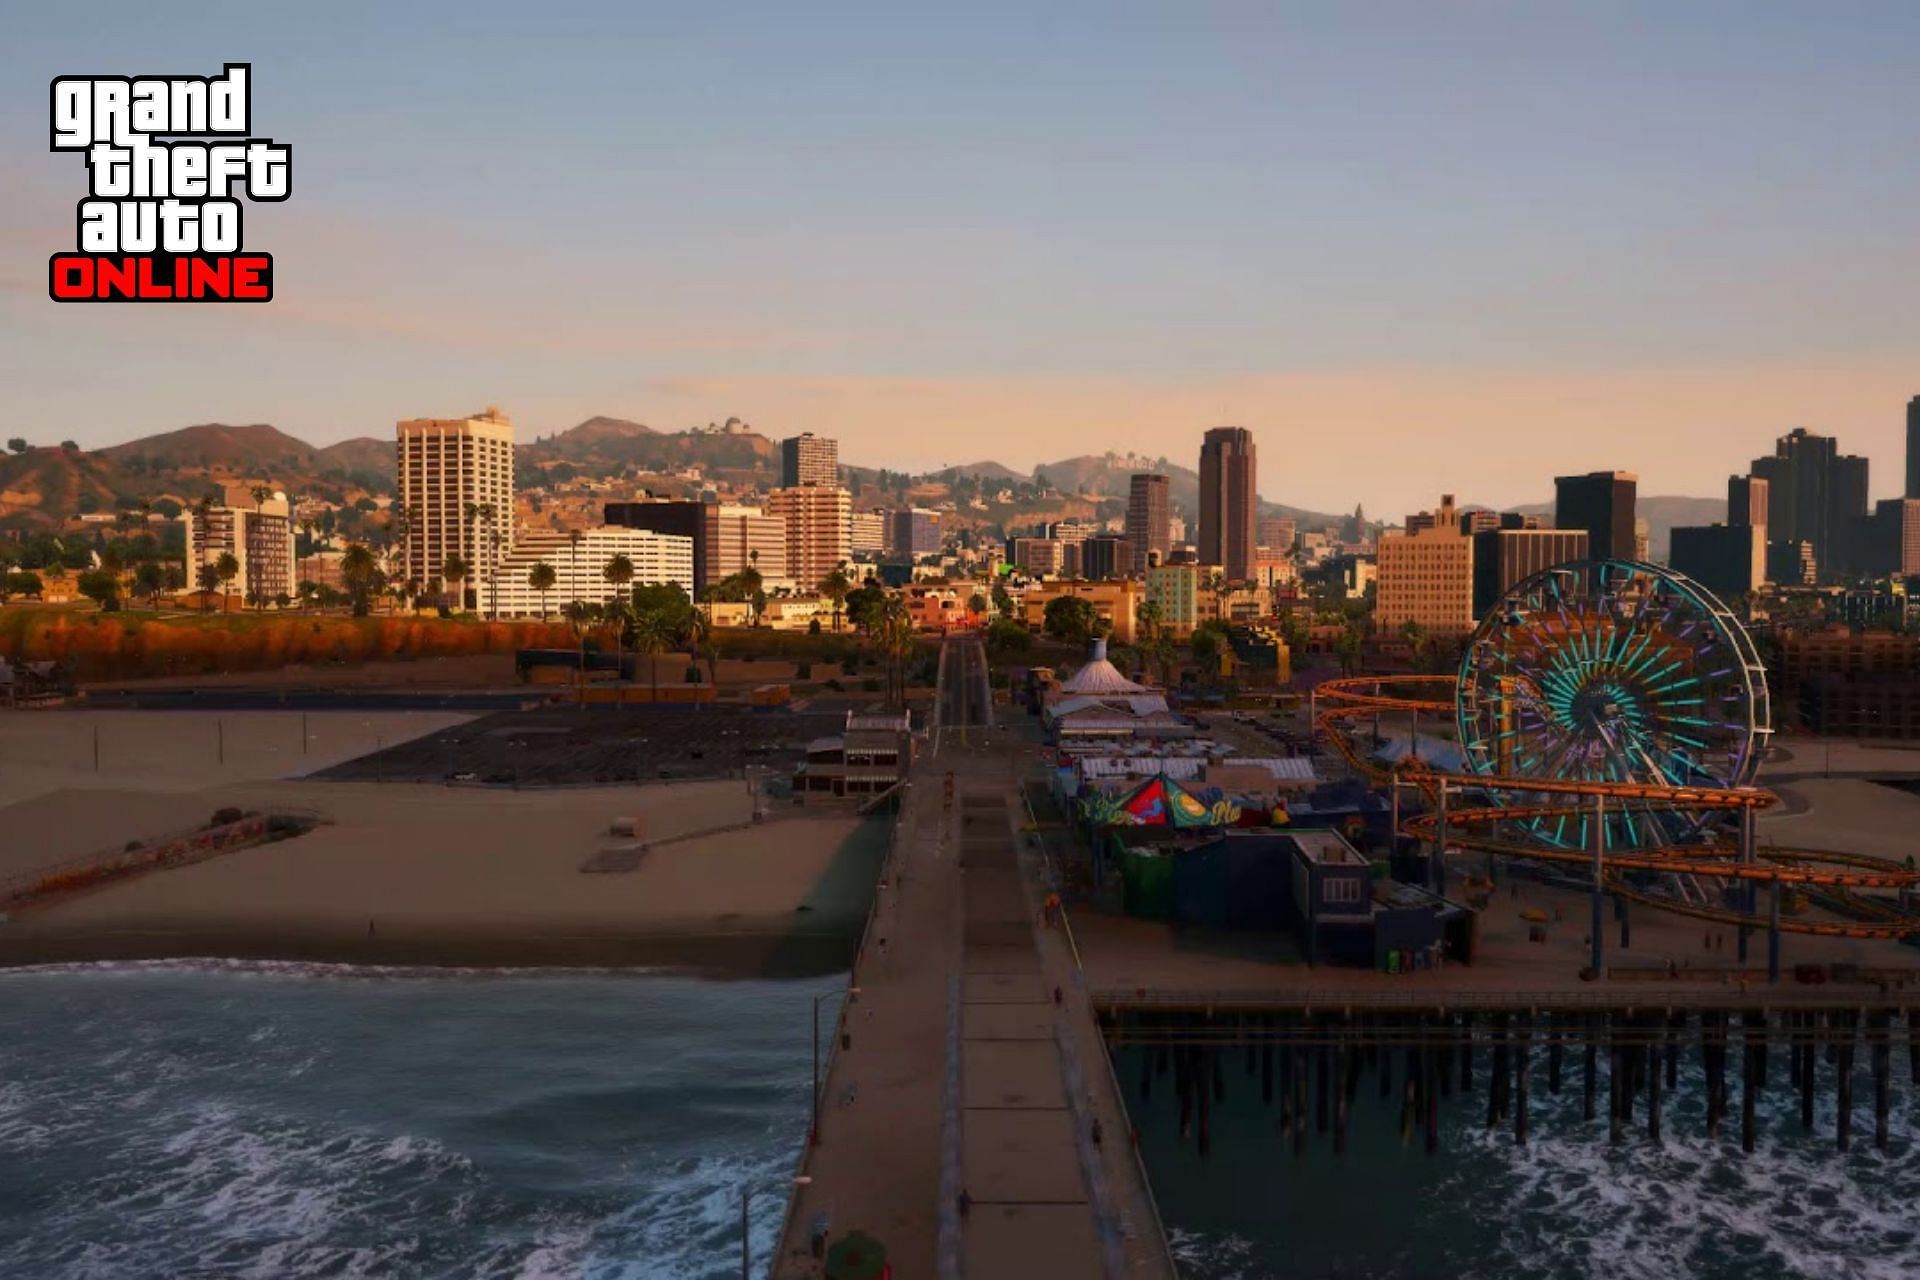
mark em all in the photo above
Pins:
pixel 1816 495
pixel 1913 447
pixel 1600 502
pixel 1147 513
pixel 1228 501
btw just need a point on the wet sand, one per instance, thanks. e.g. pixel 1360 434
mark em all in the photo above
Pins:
pixel 421 874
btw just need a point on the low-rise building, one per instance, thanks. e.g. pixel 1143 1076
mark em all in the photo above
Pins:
pixel 1117 603
pixel 580 569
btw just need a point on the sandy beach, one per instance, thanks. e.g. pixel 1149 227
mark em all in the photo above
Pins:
pixel 413 873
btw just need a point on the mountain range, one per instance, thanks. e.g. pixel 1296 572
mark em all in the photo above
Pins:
pixel 43 487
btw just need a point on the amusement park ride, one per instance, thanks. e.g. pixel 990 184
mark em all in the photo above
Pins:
pixel 1612 715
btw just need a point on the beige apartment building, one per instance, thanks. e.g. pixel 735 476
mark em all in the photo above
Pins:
pixel 740 538
pixel 580 569
pixel 808 459
pixel 818 524
pixel 445 467
pixel 1426 577
pixel 258 535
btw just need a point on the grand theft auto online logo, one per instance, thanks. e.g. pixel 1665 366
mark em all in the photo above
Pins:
pixel 167 159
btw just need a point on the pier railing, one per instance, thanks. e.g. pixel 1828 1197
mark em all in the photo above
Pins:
pixel 1879 991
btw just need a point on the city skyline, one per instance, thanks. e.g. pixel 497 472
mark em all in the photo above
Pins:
pixel 1026 236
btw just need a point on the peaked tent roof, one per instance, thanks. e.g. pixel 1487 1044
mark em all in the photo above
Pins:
pixel 1099 676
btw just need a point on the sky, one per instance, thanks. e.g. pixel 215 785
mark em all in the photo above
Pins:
pixel 1416 247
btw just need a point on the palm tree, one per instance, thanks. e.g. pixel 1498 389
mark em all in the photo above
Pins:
pixel 653 636
pixel 226 569
pixel 700 637
pixel 893 637
pixel 618 571
pixel 1218 584
pixel 207 579
pixel 453 573
pixel 541 578
pixel 837 586
pixel 361 573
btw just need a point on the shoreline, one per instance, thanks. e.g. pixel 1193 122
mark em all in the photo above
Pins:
pixel 723 954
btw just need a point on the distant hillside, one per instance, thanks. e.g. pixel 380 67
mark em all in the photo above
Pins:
pixel 616 444
pixel 257 448
pixel 48 486
pixel 1110 475
pixel 1662 514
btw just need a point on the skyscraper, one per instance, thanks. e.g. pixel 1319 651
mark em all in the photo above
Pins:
pixel 1816 495
pixel 808 459
pixel 1147 512
pixel 818 519
pixel 1601 502
pixel 1913 447
pixel 452 472
pixel 1747 501
pixel 1228 501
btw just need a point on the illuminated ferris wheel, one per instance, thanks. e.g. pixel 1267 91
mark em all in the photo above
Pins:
pixel 1614 671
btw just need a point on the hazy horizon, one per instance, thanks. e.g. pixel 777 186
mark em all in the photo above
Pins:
pixel 1415 248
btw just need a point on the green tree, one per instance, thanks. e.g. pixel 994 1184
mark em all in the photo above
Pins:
pixel 454 572
pixel 618 571
pixel 22 582
pixel 837 586
pixel 17 445
pixel 651 633
pixel 1070 618
pixel 361 572
pixel 102 586
pixel 1007 639
pixel 149 579
pixel 226 569
pixel 1002 600
pixel 541 578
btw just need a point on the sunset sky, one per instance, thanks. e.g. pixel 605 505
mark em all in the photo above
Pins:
pixel 1414 247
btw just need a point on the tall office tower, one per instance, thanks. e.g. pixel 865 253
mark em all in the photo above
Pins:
pixel 450 471
pixel 739 538
pixel 1147 519
pixel 1913 447
pixel 1228 501
pixel 868 533
pixel 914 532
pixel 1511 554
pixel 819 520
pixel 1106 555
pixel 1426 577
pixel 1892 537
pixel 808 459
pixel 1601 502
pixel 1815 494
pixel 1728 559
pixel 258 534
pixel 1275 533
pixel 1747 501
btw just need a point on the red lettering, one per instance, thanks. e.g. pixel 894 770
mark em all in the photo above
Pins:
pixel 115 276
pixel 72 277
pixel 149 287
pixel 250 283
pixel 210 275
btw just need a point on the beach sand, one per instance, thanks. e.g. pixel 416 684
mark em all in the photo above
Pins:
pixel 419 874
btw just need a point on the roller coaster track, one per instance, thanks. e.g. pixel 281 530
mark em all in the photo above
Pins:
pixel 1476 826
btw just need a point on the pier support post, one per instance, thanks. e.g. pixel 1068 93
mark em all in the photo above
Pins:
pixel 1879 1031
pixel 1751 1052
pixel 1520 1073
pixel 1746 886
pixel 1433 1108
pixel 1599 839
pixel 1438 871
pixel 1553 1054
pixel 1809 1026
pixel 1341 1056
pixel 1773 932
pixel 1589 1080
pixel 1843 1121
pixel 1663 1028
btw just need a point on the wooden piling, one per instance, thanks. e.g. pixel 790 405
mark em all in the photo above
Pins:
pixel 1433 1117
pixel 1879 1031
pixel 1553 1054
pixel 1843 1063
pixel 1590 1082
pixel 1520 1082
pixel 1809 1031
pixel 1340 1056
pixel 1655 1074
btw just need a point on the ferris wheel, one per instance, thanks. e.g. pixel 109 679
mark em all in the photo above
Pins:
pixel 1614 671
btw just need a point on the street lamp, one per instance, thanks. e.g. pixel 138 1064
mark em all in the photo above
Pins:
pixel 746 1243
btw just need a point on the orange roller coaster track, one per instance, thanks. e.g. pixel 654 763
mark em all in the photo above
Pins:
pixel 1476 826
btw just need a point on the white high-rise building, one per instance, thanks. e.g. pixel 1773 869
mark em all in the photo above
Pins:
pixel 258 534
pixel 455 493
pixel 580 569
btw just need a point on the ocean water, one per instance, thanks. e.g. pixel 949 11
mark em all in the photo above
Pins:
pixel 1566 1205
pixel 182 1120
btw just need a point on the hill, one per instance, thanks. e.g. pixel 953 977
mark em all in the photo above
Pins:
pixel 257 449
pixel 45 487
pixel 615 444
